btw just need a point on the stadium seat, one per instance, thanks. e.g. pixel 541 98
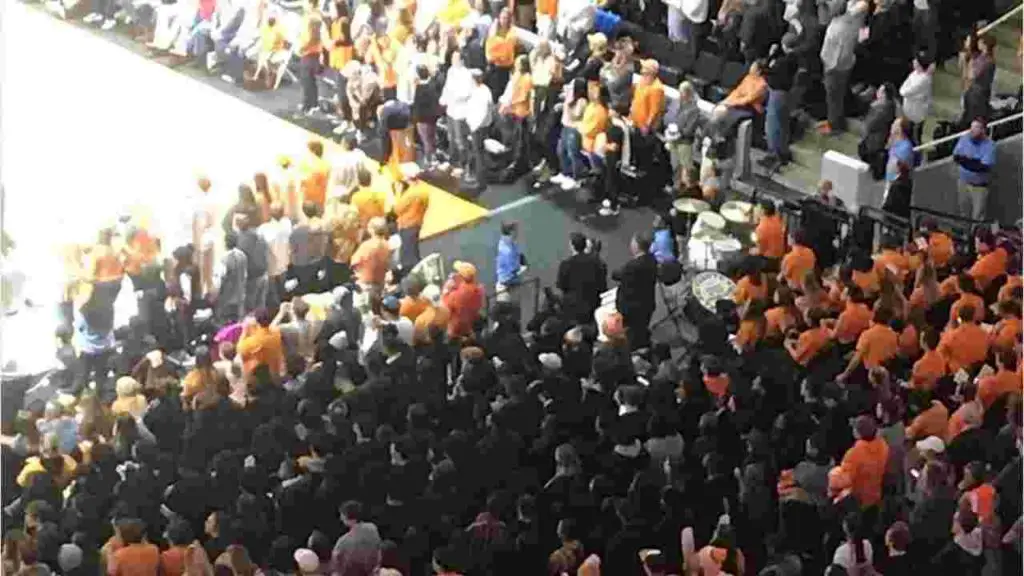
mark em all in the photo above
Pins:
pixel 732 74
pixel 706 72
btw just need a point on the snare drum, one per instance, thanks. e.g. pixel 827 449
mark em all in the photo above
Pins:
pixel 707 224
pixel 738 216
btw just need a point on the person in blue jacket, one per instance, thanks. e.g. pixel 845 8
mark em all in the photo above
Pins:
pixel 975 153
pixel 663 245
pixel 510 263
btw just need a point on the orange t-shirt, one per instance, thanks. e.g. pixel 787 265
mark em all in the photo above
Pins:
pixel 717 385
pixel 991 387
pixel 135 560
pixel 384 60
pixel 865 463
pixel 797 263
pixel 371 261
pixel 340 54
pixel 933 421
pixel 967 299
pixel 501 49
pixel 1006 291
pixel 854 320
pixel 1006 333
pixel 771 237
pixel 748 334
pixel 648 103
pixel 988 267
pixel 315 173
pixel 928 370
pixel 866 281
pixel 877 345
pixel 310 42
pixel 261 346
pixel 594 122
pixel 144 250
pixel 105 265
pixel 411 307
pixel 894 258
pixel 777 320
pixel 747 291
pixel 964 346
pixel 940 249
pixel 411 206
pixel 172 561
pixel 520 104
pixel 548 8
pixel 432 316
pixel 810 343
pixel 983 502
pixel 369 203
pixel 910 342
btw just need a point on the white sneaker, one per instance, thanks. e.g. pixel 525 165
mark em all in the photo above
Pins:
pixel 457 173
pixel 108 24
pixel 444 166
pixel 211 60
pixel 227 78
pixel 339 129
pixel 558 178
pixel 569 184
pixel 93 17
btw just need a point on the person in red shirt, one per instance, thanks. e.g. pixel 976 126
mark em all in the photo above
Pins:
pixel 463 297
pixel 1005 381
pixel 865 462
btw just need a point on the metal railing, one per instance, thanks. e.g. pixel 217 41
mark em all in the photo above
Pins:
pixel 933 143
pixel 526 294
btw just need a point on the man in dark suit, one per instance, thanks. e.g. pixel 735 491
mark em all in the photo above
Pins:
pixel 582 278
pixel 635 297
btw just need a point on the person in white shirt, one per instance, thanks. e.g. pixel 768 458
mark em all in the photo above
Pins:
pixel 276 232
pixel 479 116
pixel 917 95
pixel 345 168
pixel 575 18
pixel 195 226
pixel 458 86
pixel 685 18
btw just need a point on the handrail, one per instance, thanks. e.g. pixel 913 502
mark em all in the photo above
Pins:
pixel 951 137
pixel 1000 20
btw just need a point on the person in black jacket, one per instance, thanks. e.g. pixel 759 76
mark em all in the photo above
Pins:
pixel 426 109
pixel 582 278
pixel 780 72
pixel 899 193
pixel 635 296
pixel 761 27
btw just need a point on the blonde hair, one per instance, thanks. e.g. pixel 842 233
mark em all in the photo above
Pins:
pixel 377 226
pixel 127 386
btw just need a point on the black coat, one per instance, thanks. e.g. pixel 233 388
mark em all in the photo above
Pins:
pixel 581 279
pixel 636 285
pixel 899 197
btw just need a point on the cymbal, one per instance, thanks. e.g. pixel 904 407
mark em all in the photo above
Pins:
pixel 708 235
pixel 737 211
pixel 691 205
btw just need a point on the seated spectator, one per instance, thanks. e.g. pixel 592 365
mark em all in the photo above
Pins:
pixel 747 99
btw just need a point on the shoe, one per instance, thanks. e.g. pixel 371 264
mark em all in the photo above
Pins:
pixel 92 18
pixel 108 24
pixel 558 178
pixel 227 78
pixel 607 209
pixel 444 166
pixel 569 184
pixel 824 128
pixel 540 165
pixel 457 172
pixel 211 61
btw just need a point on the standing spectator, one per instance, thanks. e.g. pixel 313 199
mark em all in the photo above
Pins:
pixel 500 49
pixel 458 88
pixel 634 298
pixel 372 259
pixel 925 26
pixel 426 109
pixel 135 556
pixel 917 95
pixel 411 204
pixel 479 116
pixel 975 153
pixel 980 72
pixel 316 172
pixel 516 105
pixel 899 192
pixel 309 48
pixel 582 278
pixel 878 125
pixel 464 298
pixel 260 344
pixel 838 56
pixel 510 262
pixel 357 552
pixel 685 20
pixel 901 148
pixel 231 282
pixel 781 71
pixel 570 143
pixel 257 264
pixel 308 242
pixel 546 73
pixel 276 232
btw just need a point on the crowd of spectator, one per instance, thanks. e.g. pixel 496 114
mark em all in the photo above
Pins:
pixel 291 396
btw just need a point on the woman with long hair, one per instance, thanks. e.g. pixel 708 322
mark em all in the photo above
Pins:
pixel 500 50
pixel 784 316
pixel 263 194
pixel 246 205
pixel 855 552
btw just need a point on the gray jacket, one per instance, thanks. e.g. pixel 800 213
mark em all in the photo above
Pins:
pixel 838 48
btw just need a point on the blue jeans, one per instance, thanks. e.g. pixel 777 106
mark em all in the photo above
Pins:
pixel 776 123
pixel 234 64
pixel 569 146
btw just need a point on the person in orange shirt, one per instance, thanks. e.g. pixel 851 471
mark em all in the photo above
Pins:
pixel 648 104
pixel 315 173
pixel 1005 381
pixel 770 233
pixel 811 342
pixel 968 297
pixel 966 344
pixel 992 259
pixel 940 247
pixel 863 274
pixel 931 366
pixel 865 462
pixel 141 254
pixel 260 344
pixel 367 200
pixel 382 55
pixel 798 261
pixel 413 303
pixel 854 319
pixel 135 557
pixel 309 47
pixel 876 345
pixel 172 560
pixel 1011 290
pixel 753 286
pixel 463 297
pixel 372 259
pixel 747 99
pixel 751 329
pixel 1007 331
pixel 931 417
pixel 500 50
pixel 594 122
pixel 784 316
pixel 977 492
pixel 516 104
pixel 411 204
pixel 893 258
pixel 716 380
pixel 926 288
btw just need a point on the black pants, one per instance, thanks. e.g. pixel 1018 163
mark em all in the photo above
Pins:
pixel 309 67
pixel 611 180
pixel 94 368
pixel 496 79
pixel 308 277
pixel 638 327
pixel 341 85
pixel 409 254
pixel 477 154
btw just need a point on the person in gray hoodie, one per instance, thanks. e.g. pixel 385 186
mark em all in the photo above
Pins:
pixel 838 58
pixel 357 552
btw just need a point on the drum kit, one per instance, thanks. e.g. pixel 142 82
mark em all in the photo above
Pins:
pixel 716 236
